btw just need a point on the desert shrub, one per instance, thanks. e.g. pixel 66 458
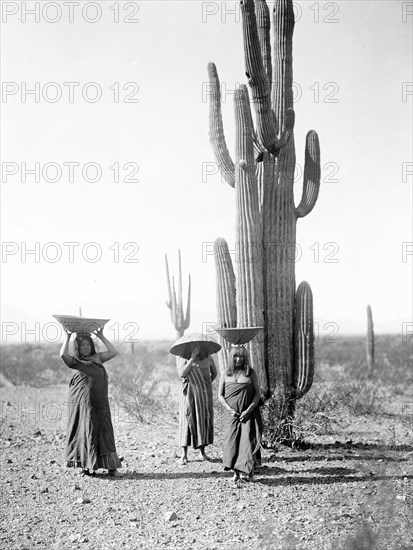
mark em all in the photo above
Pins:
pixel 33 364
pixel 326 406
pixel 393 358
pixel 140 394
pixel 40 365
pixel 153 359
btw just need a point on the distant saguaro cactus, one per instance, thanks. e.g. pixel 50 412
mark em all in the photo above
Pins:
pixel 263 178
pixel 370 339
pixel 175 302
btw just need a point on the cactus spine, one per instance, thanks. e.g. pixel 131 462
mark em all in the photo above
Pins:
pixel 175 302
pixel 370 339
pixel 263 177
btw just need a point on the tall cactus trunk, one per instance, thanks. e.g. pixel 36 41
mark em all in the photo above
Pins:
pixel 263 178
pixel 370 339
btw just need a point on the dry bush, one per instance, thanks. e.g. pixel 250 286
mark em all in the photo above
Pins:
pixel 34 364
pixel 143 397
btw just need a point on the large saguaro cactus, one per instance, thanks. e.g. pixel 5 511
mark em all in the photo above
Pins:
pixel 263 177
pixel 175 302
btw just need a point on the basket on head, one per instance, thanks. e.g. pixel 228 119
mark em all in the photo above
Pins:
pixel 80 325
pixel 183 347
pixel 239 336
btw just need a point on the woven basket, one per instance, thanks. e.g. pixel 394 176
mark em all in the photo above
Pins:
pixel 239 336
pixel 80 325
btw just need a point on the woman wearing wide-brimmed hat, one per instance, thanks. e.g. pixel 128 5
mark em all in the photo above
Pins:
pixel 197 369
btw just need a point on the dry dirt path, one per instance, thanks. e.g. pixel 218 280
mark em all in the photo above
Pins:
pixel 309 499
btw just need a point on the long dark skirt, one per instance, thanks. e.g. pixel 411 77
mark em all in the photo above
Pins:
pixel 196 412
pixel 242 439
pixel 90 441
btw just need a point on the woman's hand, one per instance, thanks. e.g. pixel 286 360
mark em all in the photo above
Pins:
pixel 195 352
pixel 68 332
pixel 99 333
pixel 244 416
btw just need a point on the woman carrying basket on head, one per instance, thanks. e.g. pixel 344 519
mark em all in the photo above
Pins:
pixel 90 441
pixel 239 392
pixel 197 369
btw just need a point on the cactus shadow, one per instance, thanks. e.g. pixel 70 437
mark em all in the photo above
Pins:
pixel 334 458
pixel 344 451
pixel 328 479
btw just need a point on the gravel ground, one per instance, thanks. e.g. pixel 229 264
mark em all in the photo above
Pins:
pixel 355 486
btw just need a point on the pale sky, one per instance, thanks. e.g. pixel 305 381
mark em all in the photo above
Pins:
pixel 353 78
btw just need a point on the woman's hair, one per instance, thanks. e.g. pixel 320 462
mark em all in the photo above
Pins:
pixel 76 345
pixel 203 352
pixel 243 352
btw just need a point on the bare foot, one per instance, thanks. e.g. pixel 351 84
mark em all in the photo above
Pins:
pixel 183 460
pixel 236 479
pixel 206 457
pixel 112 473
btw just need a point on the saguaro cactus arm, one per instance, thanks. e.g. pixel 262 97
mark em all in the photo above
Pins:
pixel 282 86
pixel 304 340
pixel 216 129
pixel 174 303
pixel 312 174
pixel 249 296
pixel 258 74
pixel 226 293
pixel 262 14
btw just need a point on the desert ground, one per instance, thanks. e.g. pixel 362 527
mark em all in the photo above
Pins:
pixel 347 483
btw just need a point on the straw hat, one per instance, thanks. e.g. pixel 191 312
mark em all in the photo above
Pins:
pixel 192 340
pixel 80 325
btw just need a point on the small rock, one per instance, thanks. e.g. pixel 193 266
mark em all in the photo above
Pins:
pixel 45 490
pixel 401 497
pixel 76 487
pixel 9 461
pixel 82 500
pixel 34 476
pixel 170 516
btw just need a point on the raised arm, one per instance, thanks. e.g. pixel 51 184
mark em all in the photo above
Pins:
pixel 111 350
pixel 64 351
pixel 245 414
pixel 185 366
